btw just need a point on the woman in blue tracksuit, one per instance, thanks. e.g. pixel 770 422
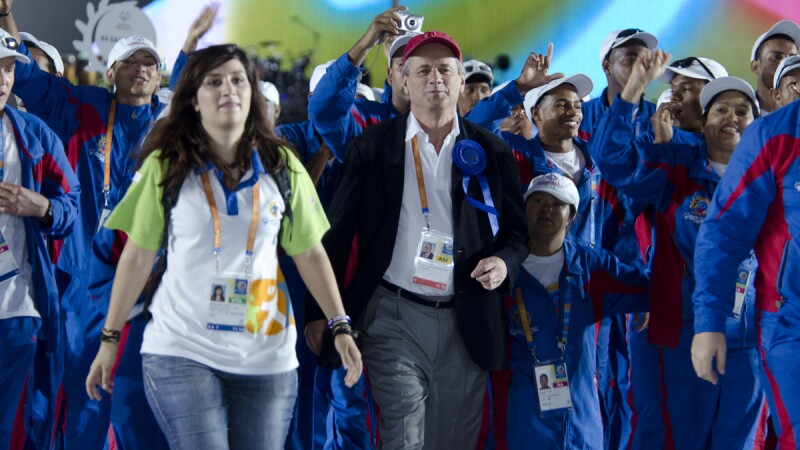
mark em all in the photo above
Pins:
pixel 565 289
pixel 678 180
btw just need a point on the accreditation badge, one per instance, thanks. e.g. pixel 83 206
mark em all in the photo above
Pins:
pixel 8 266
pixel 552 388
pixel 227 302
pixel 742 282
pixel 433 264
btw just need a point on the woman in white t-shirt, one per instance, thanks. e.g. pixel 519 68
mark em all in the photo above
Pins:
pixel 219 370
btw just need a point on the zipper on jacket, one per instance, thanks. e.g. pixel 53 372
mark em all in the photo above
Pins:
pixel 781 271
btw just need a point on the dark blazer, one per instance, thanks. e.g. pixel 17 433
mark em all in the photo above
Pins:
pixel 367 203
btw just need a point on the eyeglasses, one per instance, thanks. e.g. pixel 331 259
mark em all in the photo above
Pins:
pixel 687 62
pixel 10 43
pixel 629 32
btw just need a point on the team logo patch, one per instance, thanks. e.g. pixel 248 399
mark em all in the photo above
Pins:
pixel 100 150
pixel 274 210
pixel 698 208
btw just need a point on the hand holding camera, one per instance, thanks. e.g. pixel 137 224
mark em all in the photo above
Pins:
pixel 390 23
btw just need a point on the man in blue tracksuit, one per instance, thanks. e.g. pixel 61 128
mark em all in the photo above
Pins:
pixel 756 206
pixel 100 130
pixel 38 200
pixel 617 53
pixel 677 179
pixel 565 289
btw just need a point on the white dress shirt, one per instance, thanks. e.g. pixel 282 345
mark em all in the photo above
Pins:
pixel 437 173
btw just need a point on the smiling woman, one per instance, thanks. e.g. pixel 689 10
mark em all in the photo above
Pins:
pixel 215 160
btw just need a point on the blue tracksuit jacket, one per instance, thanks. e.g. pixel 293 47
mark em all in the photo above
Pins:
pixel 679 182
pixel 596 285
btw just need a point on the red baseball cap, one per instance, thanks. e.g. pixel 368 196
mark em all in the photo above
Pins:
pixel 431 37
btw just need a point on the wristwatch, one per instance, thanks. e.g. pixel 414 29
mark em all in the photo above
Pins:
pixel 47 220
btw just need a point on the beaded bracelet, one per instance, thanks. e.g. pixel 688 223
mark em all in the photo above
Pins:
pixel 107 335
pixel 338 319
pixel 342 328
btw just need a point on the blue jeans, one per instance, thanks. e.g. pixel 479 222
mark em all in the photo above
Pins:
pixel 198 407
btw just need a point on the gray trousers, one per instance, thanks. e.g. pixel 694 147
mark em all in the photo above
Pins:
pixel 429 391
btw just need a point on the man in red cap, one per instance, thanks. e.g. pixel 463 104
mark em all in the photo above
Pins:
pixel 432 327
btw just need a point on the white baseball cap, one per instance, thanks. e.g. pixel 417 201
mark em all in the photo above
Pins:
pixel 619 37
pixel 720 85
pixel 666 96
pixel 556 185
pixel 317 74
pixel 365 91
pixel 786 65
pixel 127 46
pixel 786 27
pixel 476 72
pixel 694 67
pixel 583 85
pixel 270 92
pixel 399 42
pixel 48 49
pixel 8 47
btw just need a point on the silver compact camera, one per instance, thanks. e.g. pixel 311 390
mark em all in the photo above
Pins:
pixel 410 22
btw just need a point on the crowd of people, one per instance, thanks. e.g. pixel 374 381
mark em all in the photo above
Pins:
pixel 472 266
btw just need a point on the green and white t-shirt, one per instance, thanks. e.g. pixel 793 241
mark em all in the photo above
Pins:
pixel 180 306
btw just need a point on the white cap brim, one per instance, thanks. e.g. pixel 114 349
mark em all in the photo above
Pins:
pixel 567 194
pixel 786 27
pixel 7 53
pixel 720 85
pixel 48 49
pixel 133 49
pixel 695 71
pixel 784 69
pixel 583 86
pixel 399 42
pixel 650 41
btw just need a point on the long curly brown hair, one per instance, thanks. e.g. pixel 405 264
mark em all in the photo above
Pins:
pixel 184 143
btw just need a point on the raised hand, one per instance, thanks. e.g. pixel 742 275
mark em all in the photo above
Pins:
pixel 647 67
pixel 534 72
pixel 662 123
pixel 200 26
pixel 383 24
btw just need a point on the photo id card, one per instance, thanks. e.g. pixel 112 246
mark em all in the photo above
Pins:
pixel 433 264
pixel 227 302
pixel 552 387
pixel 742 281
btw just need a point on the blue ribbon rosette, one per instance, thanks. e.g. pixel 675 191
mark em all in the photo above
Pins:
pixel 470 158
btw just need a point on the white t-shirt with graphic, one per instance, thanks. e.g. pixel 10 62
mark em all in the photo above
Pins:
pixel 181 305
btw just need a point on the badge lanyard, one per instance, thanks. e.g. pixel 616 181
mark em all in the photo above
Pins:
pixel 251 237
pixel 107 152
pixel 423 196
pixel 2 153
pixel 561 340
